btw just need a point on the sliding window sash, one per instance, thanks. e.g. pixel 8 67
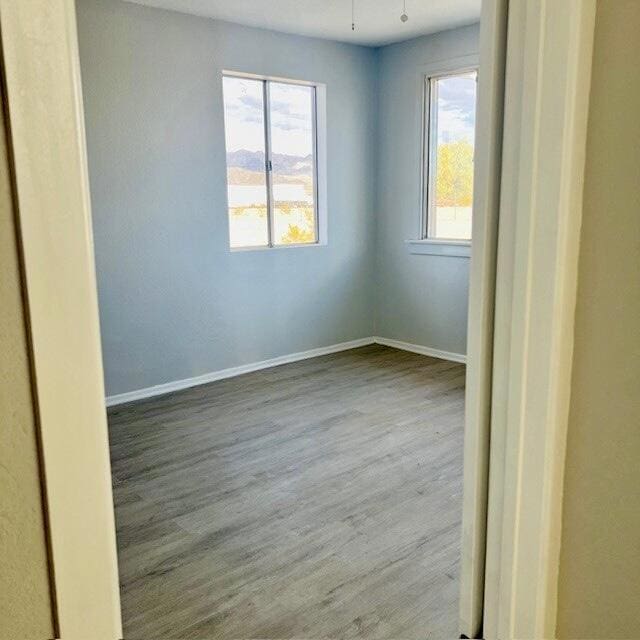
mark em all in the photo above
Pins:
pixel 268 164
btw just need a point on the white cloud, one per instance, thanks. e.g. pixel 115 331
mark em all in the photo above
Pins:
pixel 291 109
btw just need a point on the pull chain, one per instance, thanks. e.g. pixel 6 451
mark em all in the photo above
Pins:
pixel 353 15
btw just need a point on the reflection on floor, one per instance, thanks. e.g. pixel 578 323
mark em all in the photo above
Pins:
pixel 319 499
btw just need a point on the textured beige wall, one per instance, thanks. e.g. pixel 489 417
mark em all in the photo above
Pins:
pixel 599 587
pixel 25 600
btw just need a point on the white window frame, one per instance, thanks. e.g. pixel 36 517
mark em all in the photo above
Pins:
pixel 429 152
pixel 421 244
pixel 319 160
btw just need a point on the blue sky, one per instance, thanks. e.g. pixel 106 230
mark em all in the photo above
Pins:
pixel 456 108
pixel 291 127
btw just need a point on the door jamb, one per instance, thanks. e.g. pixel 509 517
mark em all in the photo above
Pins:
pixel 548 75
pixel 46 136
pixel 482 277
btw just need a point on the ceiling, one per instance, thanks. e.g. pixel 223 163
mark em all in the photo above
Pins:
pixel 377 21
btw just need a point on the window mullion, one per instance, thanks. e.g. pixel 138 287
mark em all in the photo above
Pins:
pixel 268 160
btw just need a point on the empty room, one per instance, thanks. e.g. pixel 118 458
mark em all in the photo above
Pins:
pixel 281 199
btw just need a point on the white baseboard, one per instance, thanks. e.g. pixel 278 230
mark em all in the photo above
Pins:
pixel 178 385
pixel 418 348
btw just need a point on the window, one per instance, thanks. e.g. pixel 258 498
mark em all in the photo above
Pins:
pixel 449 128
pixel 271 142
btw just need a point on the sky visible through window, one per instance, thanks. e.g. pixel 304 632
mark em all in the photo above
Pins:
pixel 453 110
pixel 290 111
pixel 457 108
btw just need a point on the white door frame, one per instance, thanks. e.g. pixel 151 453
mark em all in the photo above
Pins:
pixel 525 373
pixel 546 106
pixel 486 204
pixel 46 137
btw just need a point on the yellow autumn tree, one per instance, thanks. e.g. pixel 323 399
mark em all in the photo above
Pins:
pixel 296 235
pixel 454 182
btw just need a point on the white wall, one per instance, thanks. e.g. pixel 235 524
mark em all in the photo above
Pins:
pixel 26 609
pixel 175 303
pixel 421 299
pixel 599 585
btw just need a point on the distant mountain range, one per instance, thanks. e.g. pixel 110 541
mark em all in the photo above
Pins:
pixel 284 164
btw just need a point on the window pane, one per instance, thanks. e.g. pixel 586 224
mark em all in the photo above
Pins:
pixel 246 177
pixel 291 113
pixel 453 124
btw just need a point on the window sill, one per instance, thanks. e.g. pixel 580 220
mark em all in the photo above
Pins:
pixel 279 247
pixel 446 248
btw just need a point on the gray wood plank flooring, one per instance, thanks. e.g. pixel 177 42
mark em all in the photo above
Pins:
pixel 319 499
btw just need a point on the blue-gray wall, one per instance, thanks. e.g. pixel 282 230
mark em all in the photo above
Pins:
pixel 421 299
pixel 174 302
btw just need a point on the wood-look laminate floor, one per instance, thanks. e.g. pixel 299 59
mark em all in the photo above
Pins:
pixel 319 499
